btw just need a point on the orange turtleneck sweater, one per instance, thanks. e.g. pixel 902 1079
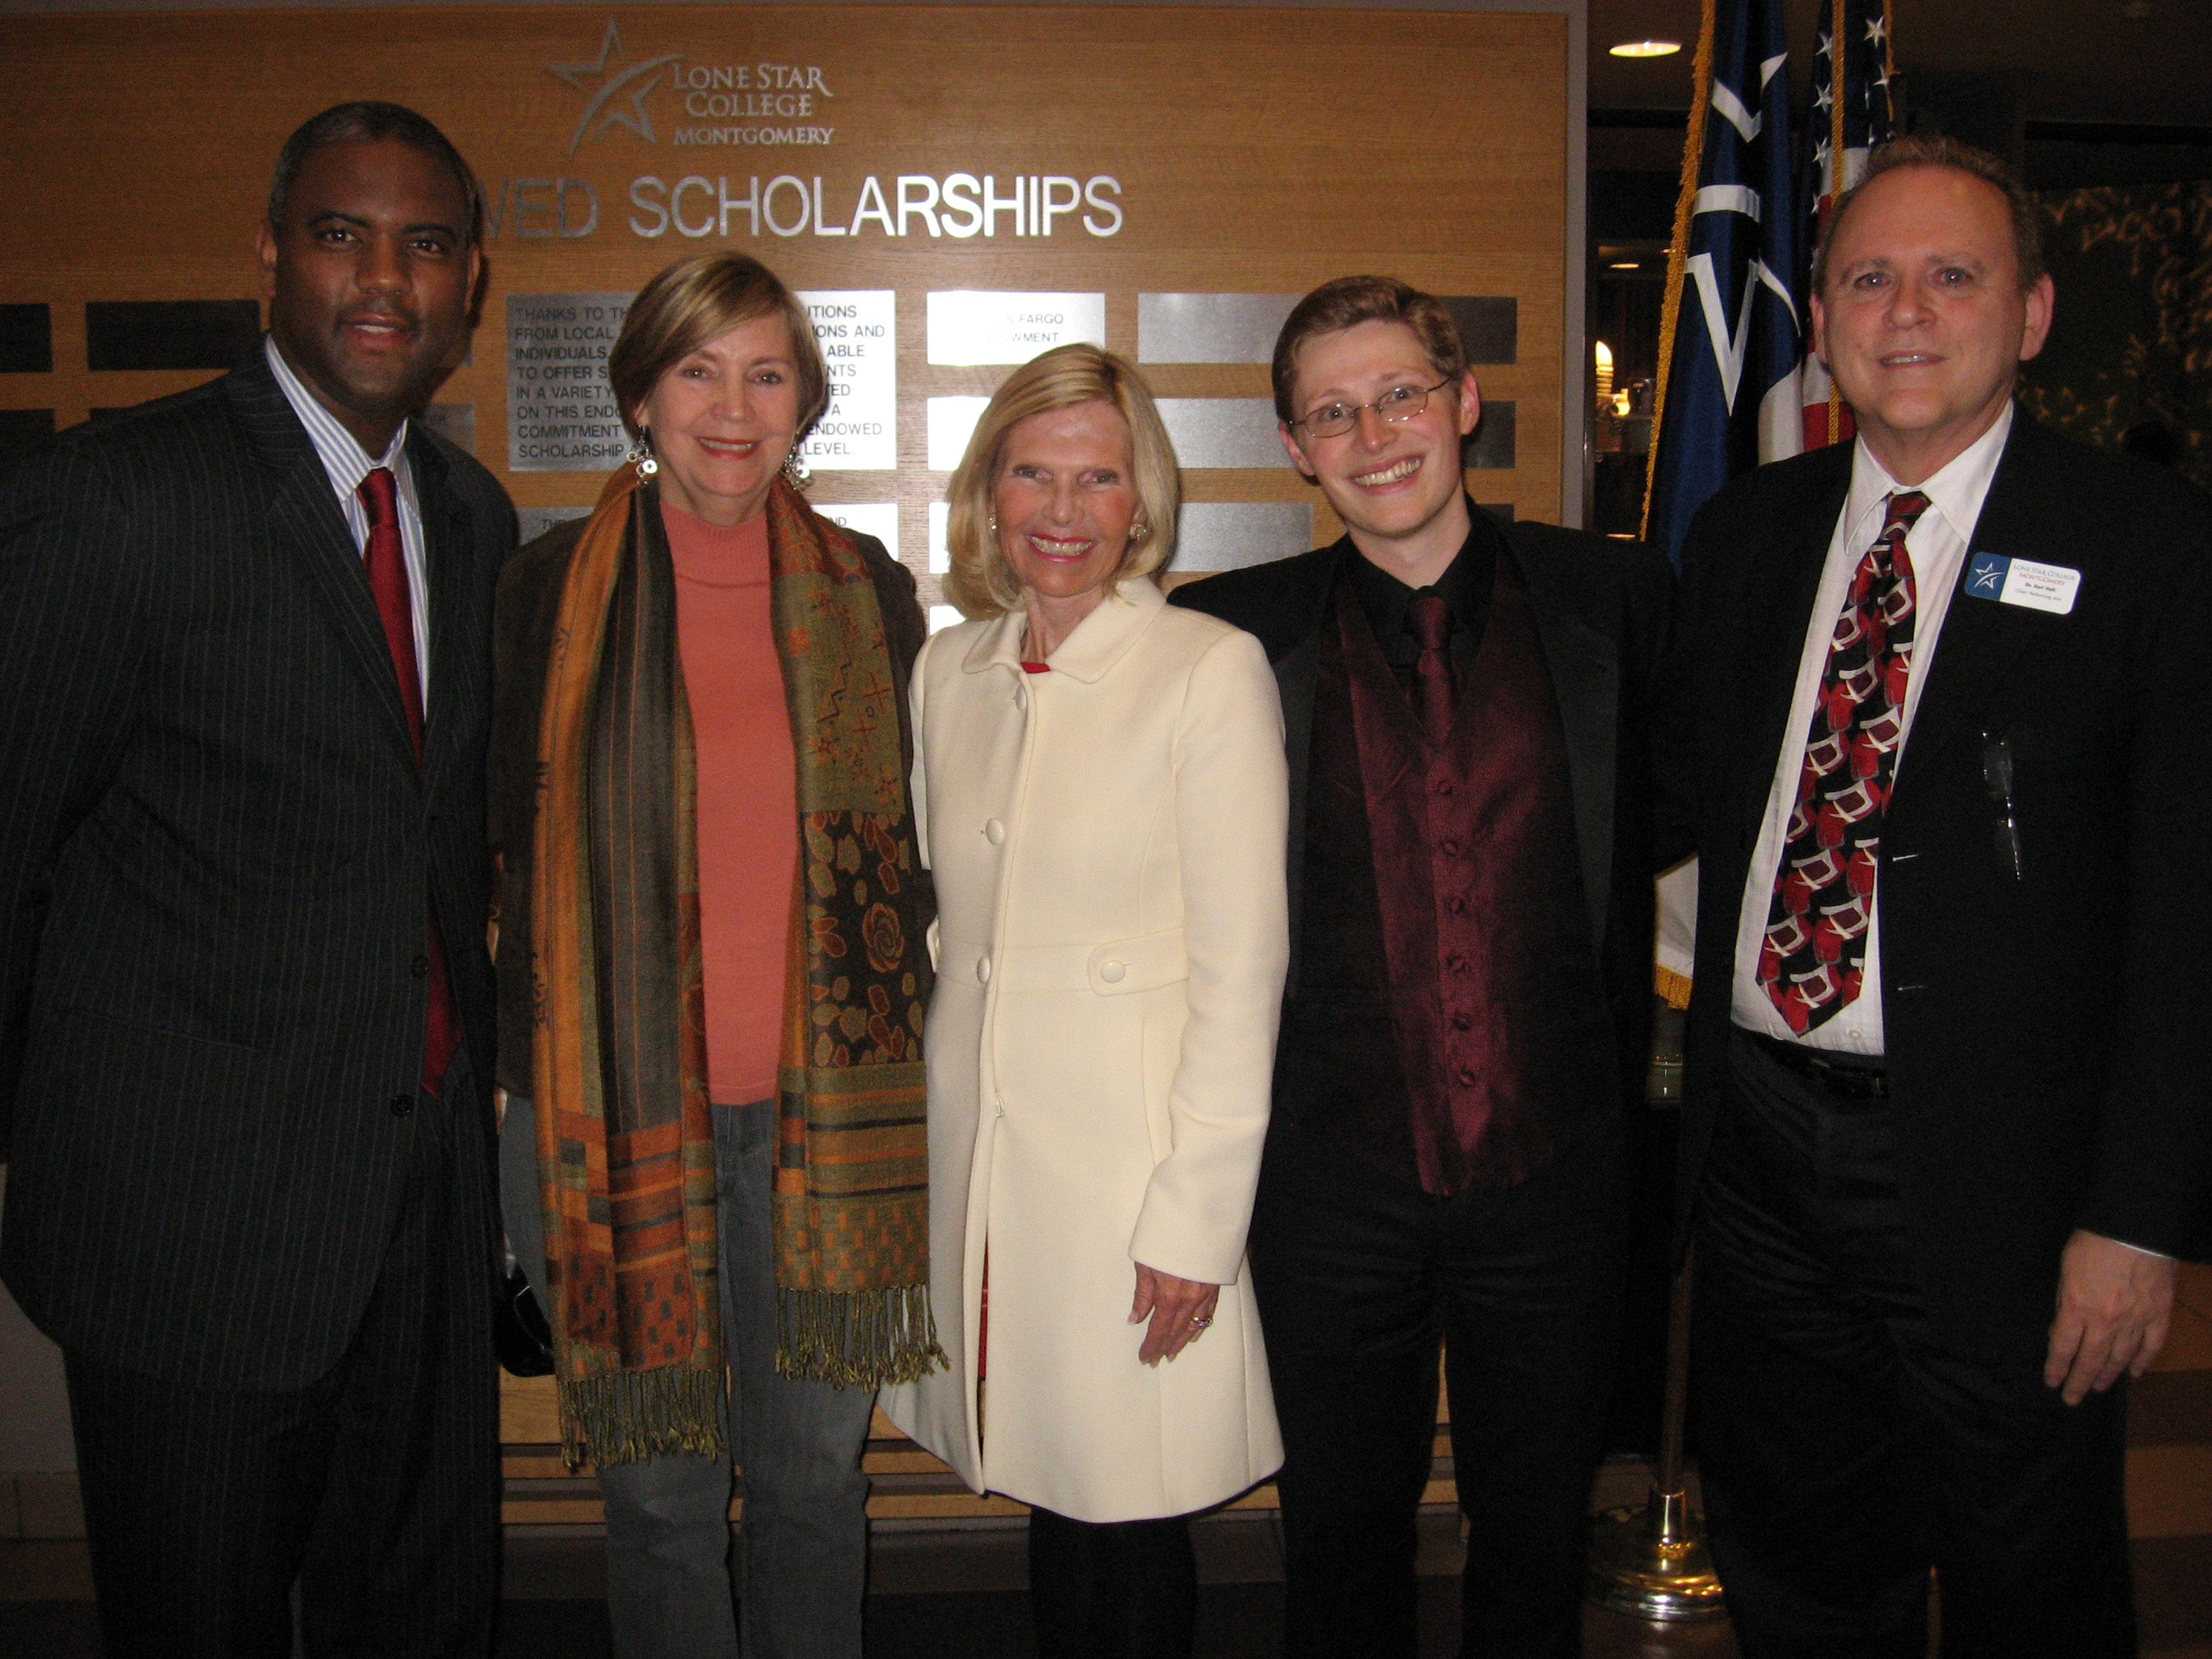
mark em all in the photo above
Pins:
pixel 748 810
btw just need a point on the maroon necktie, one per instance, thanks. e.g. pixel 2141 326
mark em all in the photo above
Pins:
pixel 387 581
pixel 1430 619
pixel 1815 945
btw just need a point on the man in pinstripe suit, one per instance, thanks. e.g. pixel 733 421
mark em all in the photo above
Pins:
pixel 246 1014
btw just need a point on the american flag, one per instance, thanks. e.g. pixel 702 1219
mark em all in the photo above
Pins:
pixel 1854 109
pixel 1731 336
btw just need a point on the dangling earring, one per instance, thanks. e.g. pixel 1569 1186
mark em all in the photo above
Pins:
pixel 641 454
pixel 796 470
pixel 993 524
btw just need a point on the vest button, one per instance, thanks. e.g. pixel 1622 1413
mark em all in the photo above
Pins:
pixel 1113 972
pixel 1463 1022
pixel 994 832
pixel 1467 1076
pixel 1449 848
pixel 401 1105
pixel 1456 904
pixel 1443 785
pixel 420 967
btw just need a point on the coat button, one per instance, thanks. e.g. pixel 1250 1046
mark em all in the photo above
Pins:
pixel 997 1108
pixel 994 832
pixel 401 1105
pixel 420 967
pixel 982 971
pixel 1021 697
pixel 1113 972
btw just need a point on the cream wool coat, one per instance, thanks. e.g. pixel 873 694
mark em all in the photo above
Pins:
pixel 1107 841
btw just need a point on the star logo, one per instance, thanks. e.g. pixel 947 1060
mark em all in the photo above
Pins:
pixel 635 79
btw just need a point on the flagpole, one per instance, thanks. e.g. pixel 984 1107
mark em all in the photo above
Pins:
pixel 1678 252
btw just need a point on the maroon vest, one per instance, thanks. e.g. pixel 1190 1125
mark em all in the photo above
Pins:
pixel 1449 1021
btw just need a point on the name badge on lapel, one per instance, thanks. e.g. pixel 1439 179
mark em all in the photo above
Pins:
pixel 2023 581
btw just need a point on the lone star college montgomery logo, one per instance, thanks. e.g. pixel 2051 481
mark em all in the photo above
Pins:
pixel 636 79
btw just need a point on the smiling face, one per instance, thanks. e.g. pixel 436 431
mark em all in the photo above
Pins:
pixel 724 418
pixel 368 280
pixel 1065 494
pixel 1396 484
pixel 1922 319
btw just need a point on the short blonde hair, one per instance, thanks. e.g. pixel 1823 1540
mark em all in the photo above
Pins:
pixel 980 581
pixel 695 301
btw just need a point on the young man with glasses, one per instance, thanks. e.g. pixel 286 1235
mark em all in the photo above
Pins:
pixel 1465 1022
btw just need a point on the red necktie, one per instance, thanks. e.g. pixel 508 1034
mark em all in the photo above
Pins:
pixel 387 581
pixel 1815 945
pixel 1429 618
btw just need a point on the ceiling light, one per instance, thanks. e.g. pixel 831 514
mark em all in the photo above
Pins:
pixel 1627 264
pixel 1645 49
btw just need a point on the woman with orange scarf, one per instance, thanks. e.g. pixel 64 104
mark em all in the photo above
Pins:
pixel 712 979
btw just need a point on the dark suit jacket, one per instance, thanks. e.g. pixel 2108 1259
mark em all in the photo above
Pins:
pixel 1601 608
pixel 2047 1035
pixel 215 854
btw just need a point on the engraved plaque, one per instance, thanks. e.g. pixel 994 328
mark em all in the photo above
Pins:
pixel 535 521
pixel 1210 328
pixel 1210 432
pixel 974 326
pixel 561 415
pixel 455 423
pixel 876 519
pixel 951 422
pixel 858 332
pixel 1229 535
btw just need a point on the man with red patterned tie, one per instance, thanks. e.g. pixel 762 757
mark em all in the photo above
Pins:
pixel 246 1012
pixel 1947 1116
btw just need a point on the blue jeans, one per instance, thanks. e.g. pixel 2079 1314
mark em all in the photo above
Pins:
pixel 803 1547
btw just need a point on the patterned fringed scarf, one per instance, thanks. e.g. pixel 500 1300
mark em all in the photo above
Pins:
pixel 625 1136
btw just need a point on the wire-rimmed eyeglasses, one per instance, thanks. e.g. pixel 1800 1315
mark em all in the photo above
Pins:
pixel 1400 403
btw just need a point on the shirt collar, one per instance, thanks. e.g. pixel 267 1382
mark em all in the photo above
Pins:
pixel 1465 584
pixel 1956 490
pixel 340 451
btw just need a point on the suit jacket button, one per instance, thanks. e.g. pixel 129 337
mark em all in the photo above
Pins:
pixel 401 1105
pixel 420 967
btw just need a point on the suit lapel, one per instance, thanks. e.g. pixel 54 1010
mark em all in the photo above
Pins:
pixel 1585 673
pixel 447 546
pixel 304 517
pixel 1771 619
pixel 2025 512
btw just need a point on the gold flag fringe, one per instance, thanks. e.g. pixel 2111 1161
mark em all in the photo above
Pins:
pixel 1678 255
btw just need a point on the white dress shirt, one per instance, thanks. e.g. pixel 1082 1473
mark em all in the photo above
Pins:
pixel 1937 546
pixel 348 464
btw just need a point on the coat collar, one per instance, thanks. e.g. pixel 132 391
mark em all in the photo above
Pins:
pixel 1100 640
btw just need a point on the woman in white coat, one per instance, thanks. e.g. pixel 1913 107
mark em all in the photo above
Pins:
pixel 1100 789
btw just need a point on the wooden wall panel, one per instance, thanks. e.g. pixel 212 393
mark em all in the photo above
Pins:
pixel 1257 151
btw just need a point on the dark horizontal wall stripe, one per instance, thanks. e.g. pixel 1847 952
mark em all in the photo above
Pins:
pixel 22 430
pixel 1491 444
pixel 27 340
pixel 1489 328
pixel 169 333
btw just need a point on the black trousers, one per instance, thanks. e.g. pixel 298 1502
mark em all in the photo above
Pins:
pixel 1125 1590
pixel 1845 1448
pixel 376 1488
pixel 1359 1278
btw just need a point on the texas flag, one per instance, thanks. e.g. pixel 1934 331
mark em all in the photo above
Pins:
pixel 1731 334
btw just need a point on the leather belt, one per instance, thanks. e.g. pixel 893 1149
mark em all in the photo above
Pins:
pixel 1845 1077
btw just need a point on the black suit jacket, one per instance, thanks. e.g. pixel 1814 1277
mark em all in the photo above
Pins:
pixel 1600 610
pixel 216 856
pixel 2047 1034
